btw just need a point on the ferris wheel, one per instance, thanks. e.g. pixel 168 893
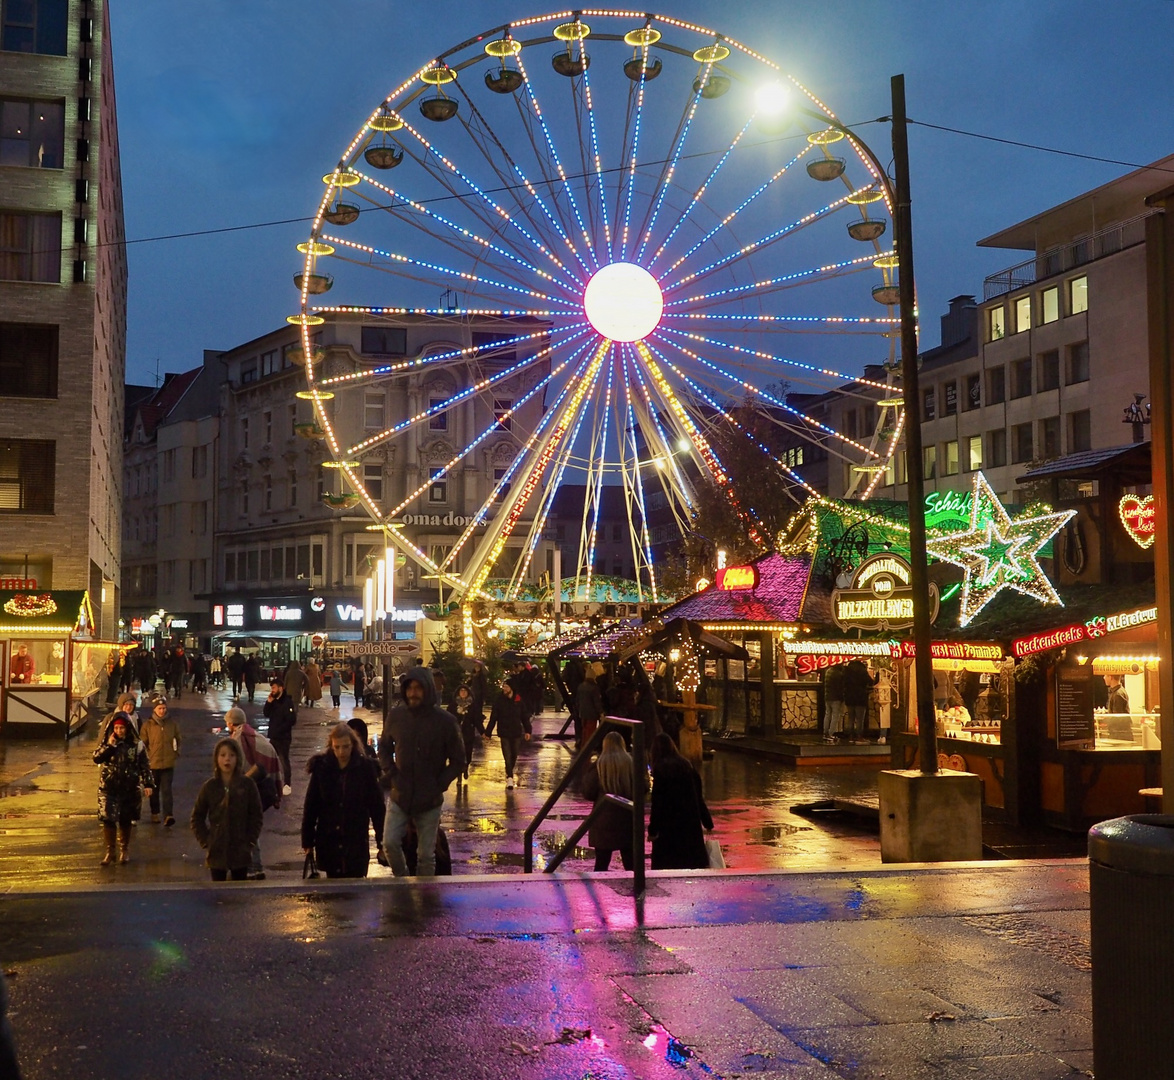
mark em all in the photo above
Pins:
pixel 661 229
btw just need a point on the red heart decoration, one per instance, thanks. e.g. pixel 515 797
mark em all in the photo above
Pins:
pixel 1138 517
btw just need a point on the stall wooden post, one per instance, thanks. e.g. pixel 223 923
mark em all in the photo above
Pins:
pixel 690 736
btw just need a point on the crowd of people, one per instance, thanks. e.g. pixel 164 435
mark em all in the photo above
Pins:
pixel 351 788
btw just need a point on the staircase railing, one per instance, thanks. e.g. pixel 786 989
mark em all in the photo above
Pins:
pixel 635 805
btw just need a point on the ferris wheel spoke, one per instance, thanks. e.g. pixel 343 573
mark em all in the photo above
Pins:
pixel 733 215
pixel 425 415
pixel 650 422
pixel 471 237
pixel 594 488
pixel 646 548
pixel 816 324
pixel 765 241
pixel 636 93
pixel 597 163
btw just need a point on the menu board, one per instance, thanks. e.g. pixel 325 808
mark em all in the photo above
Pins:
pixel 1075 726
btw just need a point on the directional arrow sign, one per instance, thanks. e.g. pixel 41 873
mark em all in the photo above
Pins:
pixel 384 648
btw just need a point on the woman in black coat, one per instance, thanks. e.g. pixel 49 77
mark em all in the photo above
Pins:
pixel 611 774
pixel 678 811
pixel 342 802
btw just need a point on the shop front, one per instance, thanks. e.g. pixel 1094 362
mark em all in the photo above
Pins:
pixel 53 672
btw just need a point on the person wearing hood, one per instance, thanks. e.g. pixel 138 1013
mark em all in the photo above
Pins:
pixel 127 704
pixel 262 766
pixel 122 778
pixel 421 752
pixel 343 800
pixel 161 739
pixel 511 716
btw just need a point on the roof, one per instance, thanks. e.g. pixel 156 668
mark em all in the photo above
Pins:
pixel 1089 212
pixel 1091 463
pixel 778 598
pixel 156 409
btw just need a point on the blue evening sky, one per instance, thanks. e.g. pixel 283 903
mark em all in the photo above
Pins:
pixel 230 112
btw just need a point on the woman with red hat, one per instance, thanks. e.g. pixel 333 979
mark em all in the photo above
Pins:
pixel 122 779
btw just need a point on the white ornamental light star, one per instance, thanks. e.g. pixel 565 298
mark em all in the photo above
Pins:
pixel 998 552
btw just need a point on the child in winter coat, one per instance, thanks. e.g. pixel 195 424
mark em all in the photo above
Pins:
pixel 123 777
pixel 227 816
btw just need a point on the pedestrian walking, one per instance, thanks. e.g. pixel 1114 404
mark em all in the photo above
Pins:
pixel 359 684
pixel 589 704
pixel 160 736
pixel 127 704
pixel 313 687
pixel 226 819
pixel 295 683
pixel 421 753
pixel 512 720
pixel 252 675
pixel 236 672
pixel 611 774
pixel 177 670
pixel 336 686
pixel 677 813
pixel 282 716
pixel 123 777
pixel 858 684
pixel 199 674
pixel 833 702
pixel 215 673
pixel 343 802
pixel 263 767
pixel 470 722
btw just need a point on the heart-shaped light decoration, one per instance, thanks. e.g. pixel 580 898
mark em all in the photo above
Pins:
pixel 1137 515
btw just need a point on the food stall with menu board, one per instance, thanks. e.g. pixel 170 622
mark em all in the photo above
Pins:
pixel 53 671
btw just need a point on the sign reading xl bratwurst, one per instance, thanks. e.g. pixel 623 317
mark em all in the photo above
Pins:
pixel 880 596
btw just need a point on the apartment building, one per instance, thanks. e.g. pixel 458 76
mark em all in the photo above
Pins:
pixel 62 303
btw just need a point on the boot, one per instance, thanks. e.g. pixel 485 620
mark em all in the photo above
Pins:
pixel 108 834
pixel 124 843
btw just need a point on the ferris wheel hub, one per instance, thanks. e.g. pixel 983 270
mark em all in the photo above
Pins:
pixel 623 302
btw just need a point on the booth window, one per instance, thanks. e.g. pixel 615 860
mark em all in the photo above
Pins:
pixel 27 475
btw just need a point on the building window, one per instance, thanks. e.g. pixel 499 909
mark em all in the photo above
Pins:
pixel 1079 431
pixel 35 26
pixel 1022 314
pixel 244 432
pixel 267 422
pixel 200 519
pixel 438 489
pixel 848 423
pixel 438 421
pixel 293 421
pixel 1021 378
pixel 973 392
pixel 930 466
pixel 1048 370
pixel 996 323
pixel 1049 437
pixel 28 360
pixel 230 566
pixel 1077 295
pixel 793 457
pixel 30 247
pixel 996 385
pixel 168 466
pixel 950 460
pixel 249 371
pixel 974 453
pixel 950 399
pixel 485 340
pixel 384 341
pixel 167 513
pixel 996 444
pixel 501 406
pixel 322 487
pixel 243 498
pixel 373 412
pixel 32 133
pixel 267 488
pixel 498 476
pixel 199 462
pixel 1050 304
pixel 373 481
pixel 1021 446
pixel 928 411
pixel 27 476
pixel 292 496
pixel 270 364
pixel 1078 363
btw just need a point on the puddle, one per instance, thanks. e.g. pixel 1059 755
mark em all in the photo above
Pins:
pixel 768 834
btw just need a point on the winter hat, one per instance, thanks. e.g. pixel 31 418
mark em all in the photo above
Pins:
pixel 235 717
pixel 121 718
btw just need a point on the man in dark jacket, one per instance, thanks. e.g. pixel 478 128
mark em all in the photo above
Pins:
pixel 282 715
pixel 421 753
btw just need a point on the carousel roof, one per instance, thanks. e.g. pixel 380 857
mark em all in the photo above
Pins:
pixel 779 596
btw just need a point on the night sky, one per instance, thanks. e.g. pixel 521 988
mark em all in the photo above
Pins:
pixel 229 114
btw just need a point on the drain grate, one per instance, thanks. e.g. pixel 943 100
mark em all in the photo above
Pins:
pixel 1020 930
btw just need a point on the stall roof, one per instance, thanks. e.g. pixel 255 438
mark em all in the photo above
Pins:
pixel 657 633
pixel 1091 464
pixel 779 597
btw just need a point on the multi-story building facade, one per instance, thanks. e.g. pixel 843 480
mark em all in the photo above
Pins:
pixel 62 303
pixel 287 537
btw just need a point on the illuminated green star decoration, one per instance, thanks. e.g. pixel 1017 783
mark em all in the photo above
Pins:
pixel 998 552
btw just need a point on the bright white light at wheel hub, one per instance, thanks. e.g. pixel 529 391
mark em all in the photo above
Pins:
pixel 623 302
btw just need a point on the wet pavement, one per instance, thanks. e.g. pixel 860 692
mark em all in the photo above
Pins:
pixel 51 836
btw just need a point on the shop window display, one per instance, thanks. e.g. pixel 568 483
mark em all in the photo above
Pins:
pixel 36 663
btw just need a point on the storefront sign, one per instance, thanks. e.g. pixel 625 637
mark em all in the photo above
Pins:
pixel 353 615
pixel 384 648
pixel 737 578
pixel 807 665
pixel 270 613
pixel 880 596
pixel 947 509
pixel 228 615
pixel 1075 725
pixel 1087 631
pixel 842 648
pixel 318 603
pixel 16 583
pixel 956 650
pixel 179 624
pixel 449 520
pixel 1137 515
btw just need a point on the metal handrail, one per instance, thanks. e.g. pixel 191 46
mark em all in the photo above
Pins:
pixel 636 803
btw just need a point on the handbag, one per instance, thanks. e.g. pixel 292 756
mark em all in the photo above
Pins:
pixel 714 850
pixel 309 867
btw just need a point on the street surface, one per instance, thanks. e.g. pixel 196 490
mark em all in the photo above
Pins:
pixel 48 807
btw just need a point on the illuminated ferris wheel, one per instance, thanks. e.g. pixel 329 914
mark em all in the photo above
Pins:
pixel 668 231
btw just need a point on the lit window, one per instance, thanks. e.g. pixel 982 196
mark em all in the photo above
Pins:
pixel 930 465
pixel 438 489
pixel 950 462
pixel 1022 314
pixel 974 453
pixel 32 134
pixel 1077 295
pixel 996 323
pixel 1050 304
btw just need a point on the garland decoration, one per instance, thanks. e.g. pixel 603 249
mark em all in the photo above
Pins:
pixel 31 607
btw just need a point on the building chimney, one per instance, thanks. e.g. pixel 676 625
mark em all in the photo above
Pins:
pixel 960 323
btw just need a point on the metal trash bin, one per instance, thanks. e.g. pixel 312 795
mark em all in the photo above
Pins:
pixel 1131 901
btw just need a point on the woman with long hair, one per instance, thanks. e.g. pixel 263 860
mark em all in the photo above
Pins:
pixel 226 819
pixel 678 811
pixel 611 774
